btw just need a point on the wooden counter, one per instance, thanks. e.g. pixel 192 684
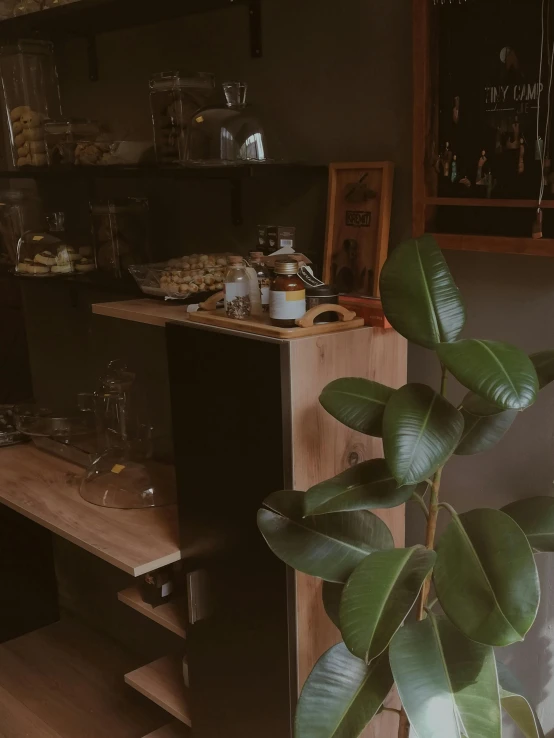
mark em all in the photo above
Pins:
pixel 46 490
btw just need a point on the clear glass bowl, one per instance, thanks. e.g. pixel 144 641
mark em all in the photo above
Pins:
pixel 228 134
pixel 33 420
pixel 62 137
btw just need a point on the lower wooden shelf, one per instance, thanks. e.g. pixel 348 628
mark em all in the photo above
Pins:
pixel 496 244
pixel 65 681
pixel 175 730
pixel 162 682
pixel 171 616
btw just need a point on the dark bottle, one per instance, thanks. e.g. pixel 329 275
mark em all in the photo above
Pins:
pixel 287 298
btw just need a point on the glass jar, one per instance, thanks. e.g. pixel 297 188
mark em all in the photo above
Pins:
pixel 174 98
pixel 237 290
pixel 263 276
pixel 19 212
pixel 229 134
pixel 287 299
pixel 62 137
pixel 120 230
pixel 31 95
pixel 81 257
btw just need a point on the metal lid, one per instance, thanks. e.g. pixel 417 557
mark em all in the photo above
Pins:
pixel 286 266
pixel 322 290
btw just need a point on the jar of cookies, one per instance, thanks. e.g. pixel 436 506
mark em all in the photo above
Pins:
pixel 174 98
pixel 31 96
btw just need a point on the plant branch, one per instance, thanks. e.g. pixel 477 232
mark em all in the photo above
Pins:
pixel 421 502
pixel 448 507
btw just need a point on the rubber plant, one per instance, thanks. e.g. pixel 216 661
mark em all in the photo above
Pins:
pixel 427 618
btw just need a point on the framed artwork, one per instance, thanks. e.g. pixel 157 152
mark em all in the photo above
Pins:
pixel 358 226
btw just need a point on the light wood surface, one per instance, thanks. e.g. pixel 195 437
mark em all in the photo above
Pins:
pixel 65 681
pixel 496 244
pixel 261 326
pixel 483 202
pixel 150 312
pixel 46 489
pixel 171 615
pixel 175 730
pixel 322 447
pixel 162 682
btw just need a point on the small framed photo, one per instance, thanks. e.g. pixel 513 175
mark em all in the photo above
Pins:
pixel 358 226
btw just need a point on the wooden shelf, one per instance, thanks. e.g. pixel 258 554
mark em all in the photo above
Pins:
pixel 46 489
pixel 150 312
pixel 162 682
pixel 482 202
pixel 174 730
pixel 496 244
pixel 65 681
pixel 171 615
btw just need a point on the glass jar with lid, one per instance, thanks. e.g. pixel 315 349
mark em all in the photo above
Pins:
pixel 174 98
pixel 228 134
pixel 62 137
pixel 121 234
pixel 287 299
pixel 237 289
pixel 31 96
pixel 19 212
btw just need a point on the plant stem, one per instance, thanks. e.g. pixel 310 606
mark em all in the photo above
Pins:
pixel 421 502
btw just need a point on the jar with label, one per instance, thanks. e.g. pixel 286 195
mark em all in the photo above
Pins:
pixel 264 279
pixel 287 299
pixel 237 290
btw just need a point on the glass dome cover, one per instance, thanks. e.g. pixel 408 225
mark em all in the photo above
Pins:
pixel 227 134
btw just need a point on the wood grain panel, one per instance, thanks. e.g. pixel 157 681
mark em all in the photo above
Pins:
pixel 496 244
pixel 150 312
pixel 175 730
pixel 162 682
pixel 46 490
pixel 171 615
pixel 322 447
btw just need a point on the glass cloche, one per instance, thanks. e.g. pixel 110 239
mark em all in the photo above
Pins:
pixel 227 134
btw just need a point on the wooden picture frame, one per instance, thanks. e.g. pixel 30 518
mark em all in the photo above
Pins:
pixel 358 227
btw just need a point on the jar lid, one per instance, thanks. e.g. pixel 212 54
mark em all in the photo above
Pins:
pixel 286 266
pixel 321 290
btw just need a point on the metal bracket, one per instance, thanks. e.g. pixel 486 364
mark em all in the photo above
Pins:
pixel 92 56
pixel 236 201
pixel 255 15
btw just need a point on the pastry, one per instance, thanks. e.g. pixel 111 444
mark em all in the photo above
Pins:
pixel 66 268
pixel 45 257
pixel 85 265
pixel 19 140
pixel 38 269
pixel 16 113
pixel 30 119
pixel 17 128
pixel 23 161
pixel 72 254
pixel 31 134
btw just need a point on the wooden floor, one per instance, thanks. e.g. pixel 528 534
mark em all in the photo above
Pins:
pixel 65 681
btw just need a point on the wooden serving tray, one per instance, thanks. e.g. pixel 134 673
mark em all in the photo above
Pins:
pixel 262 327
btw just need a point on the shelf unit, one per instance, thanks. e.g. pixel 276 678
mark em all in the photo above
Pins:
pixel 162 682
pixel 64 681
pixel 171 615
pixel 174 730
pixel 46 490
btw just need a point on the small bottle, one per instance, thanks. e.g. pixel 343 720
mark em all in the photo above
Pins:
pixel 287 299
pixel 237 289
pixel 264 279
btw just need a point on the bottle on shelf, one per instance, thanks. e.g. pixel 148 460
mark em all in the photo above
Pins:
pixel 237 289
pixel 287 299
pixel 263 277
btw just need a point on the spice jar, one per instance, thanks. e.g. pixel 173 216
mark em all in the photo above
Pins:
pixel 287 298
pixel 322 295
pixel 262 274
pixel 237 290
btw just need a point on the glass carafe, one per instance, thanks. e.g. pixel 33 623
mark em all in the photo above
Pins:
pixel 228 134
pixel 123 475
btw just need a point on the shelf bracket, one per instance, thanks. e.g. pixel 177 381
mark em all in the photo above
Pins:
pixel 255 16
pixel 236 201
pixel 92 56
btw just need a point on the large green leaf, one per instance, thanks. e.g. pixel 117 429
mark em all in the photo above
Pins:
pixel 341 695
pixel 367 486
pixel 447 683
pixel 357 403
pixel 544 366
pixel 331 594
pixel 378 597
pixel 419 296
pixel 516 704
pixel 498 372
pixel 420 432
pixel 329 546
pixel 484 425
pixel 535 517
pixel 486 578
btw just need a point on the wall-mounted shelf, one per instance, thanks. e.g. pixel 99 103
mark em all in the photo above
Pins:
pixel 496 244
pixel 46 489
pixel 483 202
pixel 174 730
pixel 162 682
pixel 172 615
pixel 65 681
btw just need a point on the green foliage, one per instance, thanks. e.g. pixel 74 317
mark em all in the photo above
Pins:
pixel 482 566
